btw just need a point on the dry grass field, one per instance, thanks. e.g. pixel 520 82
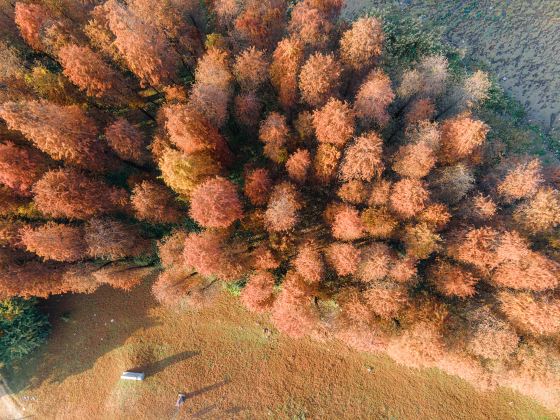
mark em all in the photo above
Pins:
pixel 230 364
pixel 518 39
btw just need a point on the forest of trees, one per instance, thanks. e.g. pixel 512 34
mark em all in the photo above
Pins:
pixel 274 147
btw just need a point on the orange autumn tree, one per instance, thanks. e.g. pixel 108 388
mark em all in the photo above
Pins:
pixel 278 149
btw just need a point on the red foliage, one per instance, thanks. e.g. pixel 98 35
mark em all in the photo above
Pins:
pixel 293 313
pixel 10 233
pixel 374 97
pixel 309 263
pixel 274 133
pixel 343 257
pixel 354 192
pixel 178 20
pixel 452 280
pixel 178 288
pixel 55 241
pixel 191 132
pixel 127 141
pixel 32 279
pixel 408 197
pixel 541 213
pixel 380 192
pixel 319 78
pixel 310 24
pixel 354 308
pixel 286 61
pixel 212 90
pixel 460 136
pixel 375 263
pixel 274 129
pixel 257 295
pixel 475 247
pixel 422 109
pixel 331 8
pixel 79 278
pixel 385 299
pixel 113 240
pixel 145 50
pixel 63 132
pixel 170 249
pixel 215 203
pixel 436 216
pixel 262 22
pixel 87 70
pixel 506 258
pixel 538 315
pixel 72 194
pixel 403 270
pixel 362 43
pixel 264 259
pixel 420 240
pixel 208 253
pixel 363 158
pixel 326 163
pixel 531 271
pixel 251 69
pixel 257 186
pixel 347 224
pixel 248 109
pixel 522 181
pixel 379 222
pixel 483 207
pixel 419 346
pixel 155 203
pixel 414 160
pixel 123 275
pixel 298 165
pixel 20 167
pixel 31 20
pixel 334 123
pixel 281 213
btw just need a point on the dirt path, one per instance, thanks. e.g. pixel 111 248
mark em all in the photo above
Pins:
pixel 9 408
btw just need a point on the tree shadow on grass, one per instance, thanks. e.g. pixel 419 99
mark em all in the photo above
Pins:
pixel 208 388
pixel 161 365
pixel 211 409
pixel 84 328
pixel 206 410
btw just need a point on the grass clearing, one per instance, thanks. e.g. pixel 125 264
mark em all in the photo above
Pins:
pixel 231 364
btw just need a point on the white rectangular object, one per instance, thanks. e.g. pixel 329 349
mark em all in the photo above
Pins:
pixel 133 376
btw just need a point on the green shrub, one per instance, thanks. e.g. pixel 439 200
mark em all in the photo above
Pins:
pixel 407 39
pixel 23 328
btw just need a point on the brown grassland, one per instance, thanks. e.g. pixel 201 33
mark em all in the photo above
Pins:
pixel 231 364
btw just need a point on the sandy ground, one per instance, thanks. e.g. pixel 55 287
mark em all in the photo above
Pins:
pixel 519 39
pixel 231 364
